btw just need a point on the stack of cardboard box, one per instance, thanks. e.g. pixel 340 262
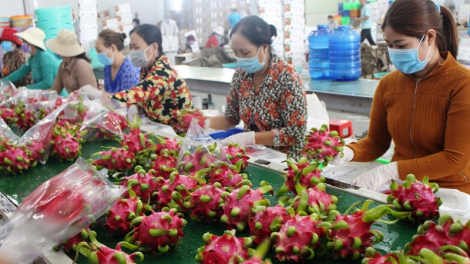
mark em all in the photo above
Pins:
pixel 272 12
pixel 87 24
pixel 118 18
pixel 294 30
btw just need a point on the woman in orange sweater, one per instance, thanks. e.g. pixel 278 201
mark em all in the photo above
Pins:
pixel 424 107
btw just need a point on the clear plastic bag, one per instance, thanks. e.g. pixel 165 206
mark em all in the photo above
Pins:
pixel 7 90
pixel 102 123
pixel 57 210
pixel 5 132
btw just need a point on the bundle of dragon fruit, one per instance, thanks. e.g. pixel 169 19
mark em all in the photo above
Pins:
pixel 104 125
pixel 98 253
pixel 158 232
pixel 25 118
pixel 122 213
pixel 115 160
pixel 322 145
pixel 227 175
pixel 206 202
pixel 66 142
pixel 238 205
pixel 232 154
pixel 186 117
pixel 308 175
pixel 267 220
pixel 175 192
pixel 224 249
pixel 415 197
pixel 74 113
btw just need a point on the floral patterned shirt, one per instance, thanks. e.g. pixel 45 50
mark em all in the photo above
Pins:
pixel 13 60
pixel 161 93
pixel 279 106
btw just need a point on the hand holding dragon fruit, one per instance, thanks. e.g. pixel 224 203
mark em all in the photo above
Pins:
pixel 322 145
pixel 415 197
pixel 308 175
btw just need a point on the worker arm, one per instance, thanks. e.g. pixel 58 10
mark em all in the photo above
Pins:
pixel 378 139
pixel 18 74
pixel 138 94
pixel 47 69
pixel 455 157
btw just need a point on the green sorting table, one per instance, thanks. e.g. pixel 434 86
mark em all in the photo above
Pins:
pixel 18 187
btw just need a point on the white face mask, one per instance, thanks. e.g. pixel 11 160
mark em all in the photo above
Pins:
pixel 139 58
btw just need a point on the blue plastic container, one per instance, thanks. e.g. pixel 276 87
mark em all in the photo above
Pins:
pixel 318 57
pixel 345 54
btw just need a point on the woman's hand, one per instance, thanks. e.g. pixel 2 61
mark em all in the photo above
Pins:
pixel 242 139
pixel 377 177
pixel 348 155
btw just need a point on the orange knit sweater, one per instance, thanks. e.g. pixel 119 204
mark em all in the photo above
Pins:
pixel 429 121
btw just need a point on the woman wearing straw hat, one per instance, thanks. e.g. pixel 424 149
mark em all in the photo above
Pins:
pixel 75 71
pixel 40 63
pixel 14 57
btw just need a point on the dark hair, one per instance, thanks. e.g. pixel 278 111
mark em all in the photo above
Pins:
pixel 111 37
pixel 82 56
pixel 403 18
pixel 330 16
pixel 150 34
pixel 256 30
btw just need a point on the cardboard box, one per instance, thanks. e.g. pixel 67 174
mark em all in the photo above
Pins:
pixel 122 8
pixel 87 33
pixel 111 23
pixel 88 18
pixel 124 20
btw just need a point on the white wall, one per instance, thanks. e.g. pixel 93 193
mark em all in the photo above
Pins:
pixel 317 11
pixel 11 8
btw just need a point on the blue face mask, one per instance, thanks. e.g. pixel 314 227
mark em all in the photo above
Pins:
pixel 407 60
pixel 103 58
pixel 7 45
pixel 251 65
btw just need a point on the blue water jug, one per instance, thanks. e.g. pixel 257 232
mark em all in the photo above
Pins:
pixel 345 55
pixel 318 58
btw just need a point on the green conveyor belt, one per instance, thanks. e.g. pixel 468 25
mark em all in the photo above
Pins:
pixel 19 186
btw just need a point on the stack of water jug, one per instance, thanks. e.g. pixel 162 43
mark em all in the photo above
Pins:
pixel 334 54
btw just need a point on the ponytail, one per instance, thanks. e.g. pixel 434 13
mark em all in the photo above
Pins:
pixel 447 39
pixel 273 31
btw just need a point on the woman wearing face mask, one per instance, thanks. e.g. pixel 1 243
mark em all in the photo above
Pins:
pixel 119 72
pixel 75 71
pixel 41 64
pixel 216 38
pixel 161 92
pixel 423 107
pixel 14 57
pixel 266 93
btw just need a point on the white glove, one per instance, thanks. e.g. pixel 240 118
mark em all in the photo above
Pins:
pixel 92 92
pixel 348 155
pixel 377 177
pixel 242 139
pixel 207 123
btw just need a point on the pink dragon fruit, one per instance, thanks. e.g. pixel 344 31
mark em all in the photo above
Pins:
pixel 415 197
pixel 25 119
pixel 98 253
pixel 258 256
pixel 121 120
pixel 237 206
pixel 298 238
pixel 371 256
pixel 308 175
pixel 232 154
pixel 228 176
pixel 445 255
pixel 224 249
pixel 267 220
pixel 350 235
pixel 122 213
pixel 136 141
pixel 192 163
pixel 164 164
pixel 205 202
pixel 5 144
pixel 8 115
pixel 70 245
pixel 74 114
pixel 36 148
pixel 157 232
pixel 16 160
pixel 175 192
pixel 322 145
pixel 166 144
pixel 66 146
pixel 115 160
pixel 187 116
pixel 143 184
pixel 316 199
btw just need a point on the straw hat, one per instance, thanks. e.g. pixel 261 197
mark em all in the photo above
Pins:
pixel 219 30
pixel 65 44
pixel 33 36
pixel 8 35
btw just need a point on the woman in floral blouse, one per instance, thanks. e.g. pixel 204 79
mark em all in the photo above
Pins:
pixel 161 93
pixel 266 93
pixel 14 57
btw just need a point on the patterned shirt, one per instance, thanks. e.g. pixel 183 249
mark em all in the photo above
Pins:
pixel 127 77
pixel 13 60
pixel 279 106
pixel 161 93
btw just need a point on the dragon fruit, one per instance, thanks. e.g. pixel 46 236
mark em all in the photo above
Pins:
pixel 5 144
pixel 237 206
pixel 258 255
pixel 445 255
pixel 175 192
pixel 232 154
pixel 16 160
pixel 228 176
pixel 267 220
pixel 308 175
pixel 350 235
pixel 166 144
pixel 206 201
pixel 74 114
pixel 192 163
pixel 115 160
pixel 298 238
pixel 415 197
pixel 224 249
pixel 121 120
pixel 98 253
pixel 157 232
pixel 25 119
pixel 66 145
pixel 8 115
pixel 122 213
pixel 70 245
pixel 136 141
pixel 322 145
pixel 316 199
pixel 37 149
pixel 143 184
pixel 187 116
pixel 371 256
pixel 164 163
pixel 433 235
